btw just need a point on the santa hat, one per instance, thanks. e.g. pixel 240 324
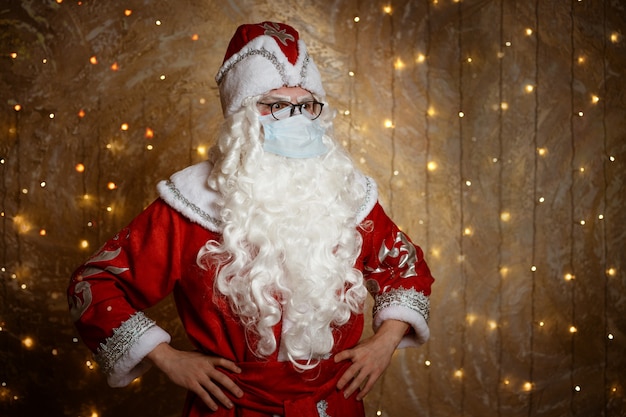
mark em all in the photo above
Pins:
pixel 262 57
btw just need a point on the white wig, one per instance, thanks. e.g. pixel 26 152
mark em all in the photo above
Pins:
pixel 289 240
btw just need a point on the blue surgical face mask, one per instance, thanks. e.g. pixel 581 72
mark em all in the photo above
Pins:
pixel 293 137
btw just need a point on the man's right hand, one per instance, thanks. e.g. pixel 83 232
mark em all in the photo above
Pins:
pixel 197 373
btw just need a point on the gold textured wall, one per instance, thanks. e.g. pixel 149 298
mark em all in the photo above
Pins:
pixel 495 129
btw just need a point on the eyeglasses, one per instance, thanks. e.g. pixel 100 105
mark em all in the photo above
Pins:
pixel 283 109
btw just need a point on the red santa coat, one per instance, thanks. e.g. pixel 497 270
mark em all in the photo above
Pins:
pixel 156 255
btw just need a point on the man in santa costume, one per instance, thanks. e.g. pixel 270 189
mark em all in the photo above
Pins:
pixel 270 248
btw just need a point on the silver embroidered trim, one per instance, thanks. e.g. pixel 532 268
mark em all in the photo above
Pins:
pixel 124 337
pixel 206 216
pixel 411 298
pixel 368 194
pixel 322 406
pixel 264 53
pixel 305 65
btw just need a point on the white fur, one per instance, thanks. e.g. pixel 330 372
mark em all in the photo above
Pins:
pixel 289 240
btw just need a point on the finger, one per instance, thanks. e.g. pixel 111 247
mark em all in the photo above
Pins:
pixel 204 396
pixel 343 355
pixel 347 376
pixel 226 364
pixel 216 393
pixel 354 386
pixel 227 383
pixel 369 384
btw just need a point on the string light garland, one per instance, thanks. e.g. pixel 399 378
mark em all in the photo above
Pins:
pixel 99 195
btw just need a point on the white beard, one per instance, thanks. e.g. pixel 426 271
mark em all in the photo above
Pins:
pixel 290 242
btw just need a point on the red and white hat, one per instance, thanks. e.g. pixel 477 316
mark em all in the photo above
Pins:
pixel 262 57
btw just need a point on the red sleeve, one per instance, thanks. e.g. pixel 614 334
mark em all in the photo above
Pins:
pixel 396 273
pixel 134 270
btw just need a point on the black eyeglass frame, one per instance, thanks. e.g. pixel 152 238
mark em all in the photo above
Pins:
pixel 293 107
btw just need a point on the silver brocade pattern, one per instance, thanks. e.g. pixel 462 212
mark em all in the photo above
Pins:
pixel 321 408
pixel 411 298
pixel 124 337
pixel 266 54
pixel 192 206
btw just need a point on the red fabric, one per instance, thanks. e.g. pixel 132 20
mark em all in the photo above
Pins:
pixel 156 255
pixel 274 388
pixel 285 36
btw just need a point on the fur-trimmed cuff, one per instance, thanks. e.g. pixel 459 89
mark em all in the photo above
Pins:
pixel 415 320
pixel 409 306
pixel 122 355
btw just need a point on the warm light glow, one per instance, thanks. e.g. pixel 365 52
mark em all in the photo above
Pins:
pixel 431 166
pixel 467 231
pixel 504 271
pixel 94 414
pixel 158 23
pixel 84 244
pixel 128 12
pixel 13 55
pixel 42 232
pixel 505 216
pixel 21 224
pixel 398 64
pixel 28 342
pixel 611 272
pixel 529 31
pixel 79 167
pixel 458 373
pixel 17 107
pixel 541 199
pixel 542 151
pixel 529 88
pixel 93 60
pixel 202 150
pixel 470 318
pixel 427 363
pixel 111 185
pixel 581 59
pixel 468 183
pixel 610 336
pixel 461 114
pixel 569 277
pixel 81 113
pixel 595 99
pixel 124 126
pixel 420 58
pixel 388 124
pixel 573 329
pixel 533 268
pixel 357 19
pixel 431 111
pixel 615 37
pixel 492 325
pixel 195 37
pixel 149 133
pixel 387 9
pixel 542 323
pixel 115 66
pixel 528 386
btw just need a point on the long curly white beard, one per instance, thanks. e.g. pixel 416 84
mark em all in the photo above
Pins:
pixel 289 242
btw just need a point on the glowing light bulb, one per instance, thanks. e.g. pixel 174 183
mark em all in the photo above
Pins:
pixel 542 323
pixel 467 231
pixel 28 342
pixel 115 66
pixel 387 9
pixel 461 114
pixel 195 37
pixel 17 107
pixel 81 113
pixel 529 88
pixel 427 362
pixel 458 373
pixel 420 58
pixel 611 272
pixel 528 386
pixel 505 216
pixel 149 133
pixel 573 329
pixel 388 124
pixel 79 167
pixel 542 151
pixel 357 19
pixel 111 185
pixel 128 12
pixel 14 55
pixel 399 64
pixel 431 166
pixel 124 126
pixel 529 31
pixel 93 60
pixel 595 99
pixel 610 336
pixel 568 277
pixel 492 325
pixel 533 268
